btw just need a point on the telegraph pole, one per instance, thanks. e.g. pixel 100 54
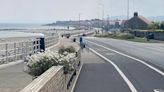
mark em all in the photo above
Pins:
pixel 79 19
pixel 127 25
pixel 102 15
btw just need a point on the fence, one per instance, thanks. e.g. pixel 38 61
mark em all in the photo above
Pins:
pixel 51 40
pixel 156 35
pixel 19 50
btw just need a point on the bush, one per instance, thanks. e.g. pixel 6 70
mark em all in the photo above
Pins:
pixel 126 36
pixel 62 49
pixel 39 63
pixel 69 49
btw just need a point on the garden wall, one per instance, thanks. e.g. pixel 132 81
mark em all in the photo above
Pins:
pixel 156 35
pixel 52 80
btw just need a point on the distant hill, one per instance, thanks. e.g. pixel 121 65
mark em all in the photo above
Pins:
pixel 152 18
pixel 118 17
pixel 156 18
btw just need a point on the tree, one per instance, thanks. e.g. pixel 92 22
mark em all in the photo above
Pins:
pixel 154 25
pixel 162 25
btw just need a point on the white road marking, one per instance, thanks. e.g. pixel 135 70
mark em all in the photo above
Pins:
pixel 141 61
pixel 158 90
pixel 128 82
pixel 74 84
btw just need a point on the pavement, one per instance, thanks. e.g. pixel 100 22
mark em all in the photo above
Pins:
pixel 142 77
pixel 13 79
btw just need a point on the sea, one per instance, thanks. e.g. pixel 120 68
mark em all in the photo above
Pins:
pixel 13 29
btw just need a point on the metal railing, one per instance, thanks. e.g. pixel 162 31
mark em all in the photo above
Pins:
pixel 18 50
pixel 14 51
pixel 51 40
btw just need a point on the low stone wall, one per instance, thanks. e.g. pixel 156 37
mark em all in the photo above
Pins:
pixel 53 80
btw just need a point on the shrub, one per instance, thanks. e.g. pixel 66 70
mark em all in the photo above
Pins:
pixel 62 49
pixel 69 49
pixel 126 36
pixel 39 63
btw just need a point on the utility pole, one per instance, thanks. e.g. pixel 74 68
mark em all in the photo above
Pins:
pixel 102 16
pixel 108 23
pixel 79 19
pixel 127 25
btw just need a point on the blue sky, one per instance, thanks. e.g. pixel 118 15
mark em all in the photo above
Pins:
pixel 53 10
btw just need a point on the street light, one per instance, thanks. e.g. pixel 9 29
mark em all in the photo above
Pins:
pixel 79 19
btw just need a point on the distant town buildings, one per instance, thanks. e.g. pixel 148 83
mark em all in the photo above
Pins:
pixel 136 22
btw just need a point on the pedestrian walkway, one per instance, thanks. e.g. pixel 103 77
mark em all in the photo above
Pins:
pixel 13 79
pixel 98 76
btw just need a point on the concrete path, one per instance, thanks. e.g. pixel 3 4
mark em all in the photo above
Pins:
pixel 98 76
pixel 13 79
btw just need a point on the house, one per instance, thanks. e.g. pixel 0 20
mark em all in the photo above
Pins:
pixel 137 22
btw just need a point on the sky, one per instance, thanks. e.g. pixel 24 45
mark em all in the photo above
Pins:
pixel 54 10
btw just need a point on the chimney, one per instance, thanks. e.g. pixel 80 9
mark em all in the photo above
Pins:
pixel 135 14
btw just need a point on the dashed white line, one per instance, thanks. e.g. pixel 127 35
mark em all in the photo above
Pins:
pixel 141 61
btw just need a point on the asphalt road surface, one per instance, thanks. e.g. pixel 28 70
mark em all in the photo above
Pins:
pixel 144 78
pixel 98 76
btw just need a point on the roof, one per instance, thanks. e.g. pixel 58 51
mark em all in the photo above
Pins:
pixel 144 19
pixel 123 22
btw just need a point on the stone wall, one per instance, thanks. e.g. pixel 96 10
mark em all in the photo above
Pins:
pixel 53 80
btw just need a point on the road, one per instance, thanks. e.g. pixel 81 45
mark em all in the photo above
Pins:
pixel 127 55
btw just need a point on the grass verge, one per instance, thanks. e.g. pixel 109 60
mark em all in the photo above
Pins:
pixel 128 37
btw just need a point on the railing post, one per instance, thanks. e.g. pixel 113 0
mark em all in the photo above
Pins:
pixel 15 52
pixel 38 45
pixel 22 48
pixel 26 49
pixel 6 48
